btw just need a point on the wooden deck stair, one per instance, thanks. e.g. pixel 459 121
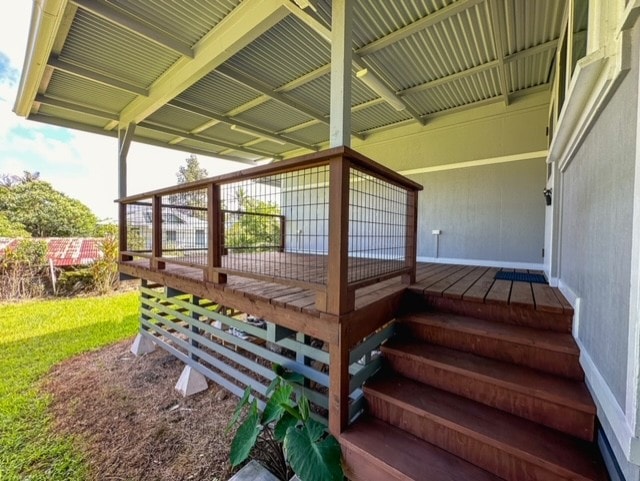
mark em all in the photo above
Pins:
pixel 496 396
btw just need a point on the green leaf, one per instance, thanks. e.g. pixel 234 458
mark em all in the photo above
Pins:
pixel 273 385
pixel 246 437
pixel 314 429
pixel 313 461
pixel 292 377
pixel 280 397
pixel 238 411
pixel 292 411
pixel 285 422
pixel 303 407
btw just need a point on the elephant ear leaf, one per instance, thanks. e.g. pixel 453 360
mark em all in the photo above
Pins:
pixel 310 459
pixel 274 410
pixel 246 437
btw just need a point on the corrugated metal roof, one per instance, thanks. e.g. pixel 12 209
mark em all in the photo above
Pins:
pixel 283 53
pixel 218 93
pixel 273 115
pixel 104 47
pixel 177 118
pixel 186 21
pixel 83 91
pixel 63 251
pixel 436 55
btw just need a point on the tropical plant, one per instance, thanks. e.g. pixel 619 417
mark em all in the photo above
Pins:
pixel 105 269
pixel 285 437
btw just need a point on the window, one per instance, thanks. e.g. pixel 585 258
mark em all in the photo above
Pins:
pixel 200 238
pixel 172 236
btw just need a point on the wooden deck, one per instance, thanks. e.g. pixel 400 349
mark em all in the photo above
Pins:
pixel 448 281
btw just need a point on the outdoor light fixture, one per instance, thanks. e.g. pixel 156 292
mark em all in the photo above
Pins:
pixel 381 89
pixel 255 134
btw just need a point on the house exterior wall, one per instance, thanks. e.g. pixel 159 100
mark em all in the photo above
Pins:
pixel 483 171
pixel 485 213
pixel 596 236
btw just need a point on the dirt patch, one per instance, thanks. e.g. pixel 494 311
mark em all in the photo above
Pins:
pixel 131 422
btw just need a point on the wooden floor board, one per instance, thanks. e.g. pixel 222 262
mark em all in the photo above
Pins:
pixel 452 281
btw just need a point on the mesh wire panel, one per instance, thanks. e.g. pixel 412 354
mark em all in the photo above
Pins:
pixel 278 225
pixel 184 227
pixel 377 226
pixel 139 227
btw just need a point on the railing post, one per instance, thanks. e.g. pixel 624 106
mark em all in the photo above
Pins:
pixel 337 299
pixel 122 232
pixel 411 237
pixel 339 383
pixel 156 233
pixel 215 234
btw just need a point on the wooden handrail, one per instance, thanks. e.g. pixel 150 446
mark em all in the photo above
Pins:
pixel 289 165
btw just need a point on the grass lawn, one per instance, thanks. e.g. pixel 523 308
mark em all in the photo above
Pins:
pixel 33 337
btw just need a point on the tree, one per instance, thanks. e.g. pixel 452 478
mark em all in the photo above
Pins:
pixel 256 226
pixel 192 171
pixel 197 198
pixel 44 211
pixel 11 229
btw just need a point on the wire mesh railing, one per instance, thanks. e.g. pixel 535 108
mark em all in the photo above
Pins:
pixel 331 222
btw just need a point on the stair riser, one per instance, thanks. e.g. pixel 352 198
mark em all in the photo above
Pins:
pixel 361 466
pixel 536 357
pixel 495 459
pixel 508 314
pixel 553 415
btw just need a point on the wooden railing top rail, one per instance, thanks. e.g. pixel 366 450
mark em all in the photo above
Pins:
pixel 306 161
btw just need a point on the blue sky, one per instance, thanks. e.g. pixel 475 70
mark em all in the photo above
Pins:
pixel 83 166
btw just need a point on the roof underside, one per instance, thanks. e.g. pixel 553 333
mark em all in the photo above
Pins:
pixel 209 77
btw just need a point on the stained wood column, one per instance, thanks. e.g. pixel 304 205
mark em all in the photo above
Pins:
pixel 340 113
pixel 215 236
pixel 156 233
pixel 337 299
pixel 339 383
pixel 411 237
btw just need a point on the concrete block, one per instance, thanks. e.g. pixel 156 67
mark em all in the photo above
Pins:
pixel 254 471
pixel 142 345
pixel 191 382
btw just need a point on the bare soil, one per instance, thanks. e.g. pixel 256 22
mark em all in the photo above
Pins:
pixel 133 425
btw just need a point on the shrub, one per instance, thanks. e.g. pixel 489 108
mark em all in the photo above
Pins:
pixel 24 270
pixel 285 435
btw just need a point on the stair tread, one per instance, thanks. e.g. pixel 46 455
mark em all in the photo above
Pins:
pixel 522 438
pixel 525 380
pixel 552 340
pixel 408 456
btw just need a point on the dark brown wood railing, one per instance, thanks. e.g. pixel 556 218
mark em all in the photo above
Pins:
pixel 356 225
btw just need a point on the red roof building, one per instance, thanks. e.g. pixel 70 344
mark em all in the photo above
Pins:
pixel 63 251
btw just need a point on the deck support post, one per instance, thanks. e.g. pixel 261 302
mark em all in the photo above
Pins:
pixel 215 221
pixel 156 233
pixel 339 383
pixel 191 382
pixel 341 53
pixel 411 237
pixel 337 298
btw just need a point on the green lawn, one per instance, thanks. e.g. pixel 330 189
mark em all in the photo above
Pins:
pixel 33 337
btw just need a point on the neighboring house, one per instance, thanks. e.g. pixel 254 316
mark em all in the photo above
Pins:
pixel 63 252
pixel 180 230
pixel 486 103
